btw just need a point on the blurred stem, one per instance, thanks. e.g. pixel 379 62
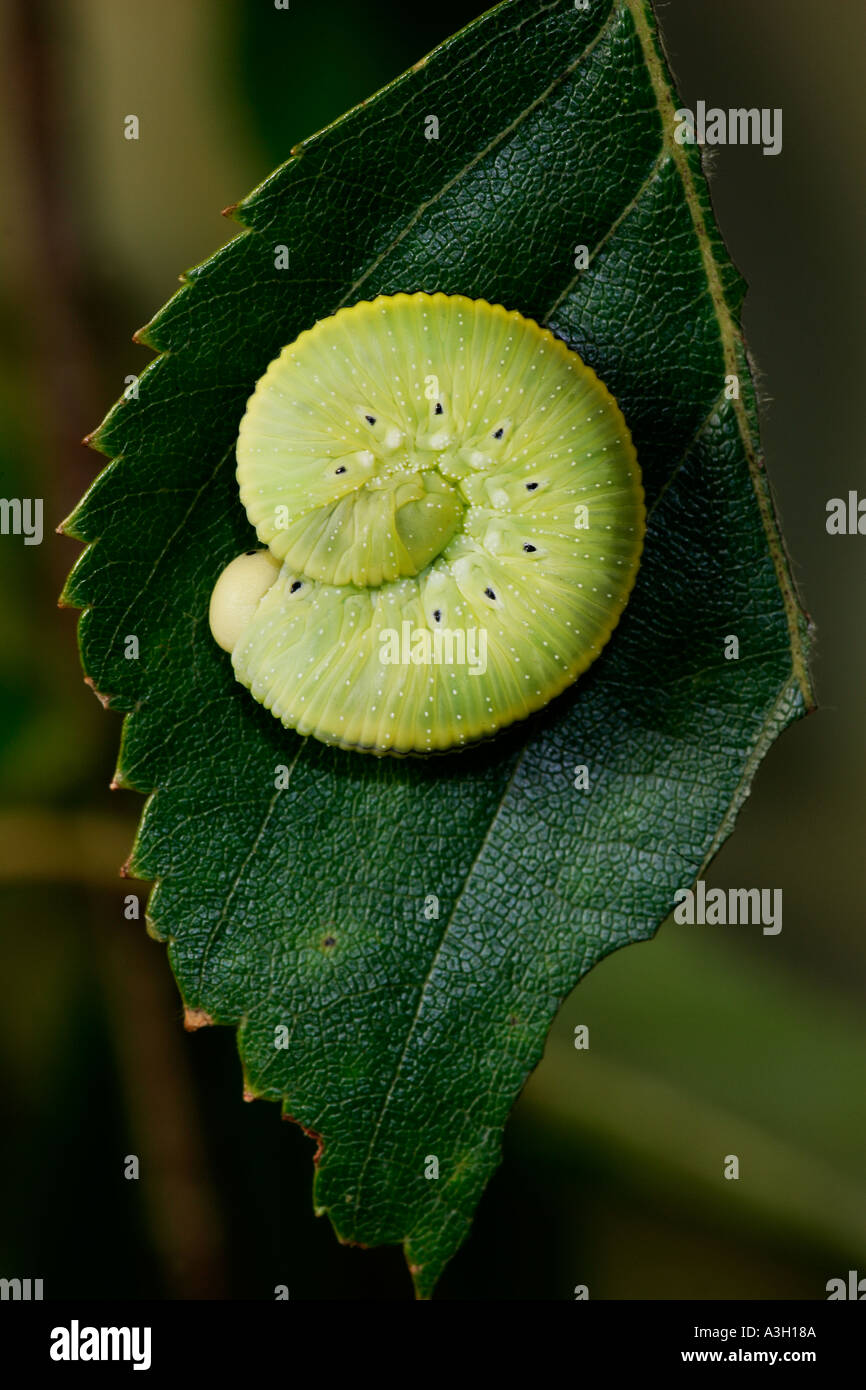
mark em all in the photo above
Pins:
pixel 51 279
pixel 150 1047
pixel 161 1104
pixel 52 269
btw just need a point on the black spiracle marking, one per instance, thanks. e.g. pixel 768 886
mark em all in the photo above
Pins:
pixel 293 588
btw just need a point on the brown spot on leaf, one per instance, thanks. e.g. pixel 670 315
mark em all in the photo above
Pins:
pixel 311 1134
pixel 347 1240
pixel 193 1019
pixel 104 700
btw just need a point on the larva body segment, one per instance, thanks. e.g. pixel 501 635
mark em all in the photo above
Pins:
pixel 453 511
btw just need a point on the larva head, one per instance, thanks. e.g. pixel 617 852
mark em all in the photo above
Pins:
pixel 453 516
pixel 237 595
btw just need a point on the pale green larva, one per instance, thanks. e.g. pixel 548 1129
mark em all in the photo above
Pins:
pixel 453 514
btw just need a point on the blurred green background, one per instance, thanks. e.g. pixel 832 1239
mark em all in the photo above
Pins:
pixel 704 1042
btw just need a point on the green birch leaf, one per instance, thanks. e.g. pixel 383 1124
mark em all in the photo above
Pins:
pixel 408 928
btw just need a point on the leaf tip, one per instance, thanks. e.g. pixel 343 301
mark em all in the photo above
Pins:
pixel 69 527
pixel 142 336
pixel 422 1286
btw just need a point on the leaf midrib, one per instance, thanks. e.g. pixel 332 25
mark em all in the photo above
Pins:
pixel 729 336
pixel 424 207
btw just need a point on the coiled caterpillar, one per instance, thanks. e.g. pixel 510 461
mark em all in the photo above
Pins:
pixel 453 516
